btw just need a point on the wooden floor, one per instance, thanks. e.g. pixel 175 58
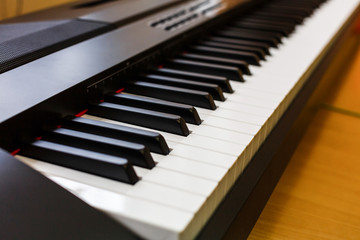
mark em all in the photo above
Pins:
pixel 318 196
pixel 12 8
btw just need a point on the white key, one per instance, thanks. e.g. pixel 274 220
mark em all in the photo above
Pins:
pixel 193 168
pixel 232 125
pixel 222 134
pixel 171 197
pixel 133 212
pixel 234 106
pixel 232 115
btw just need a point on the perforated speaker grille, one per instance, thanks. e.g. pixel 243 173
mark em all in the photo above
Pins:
pixel 23 45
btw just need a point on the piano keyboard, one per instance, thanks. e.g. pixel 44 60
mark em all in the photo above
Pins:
pixel 160 152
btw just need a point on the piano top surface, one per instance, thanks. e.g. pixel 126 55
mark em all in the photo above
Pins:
pixel 73 65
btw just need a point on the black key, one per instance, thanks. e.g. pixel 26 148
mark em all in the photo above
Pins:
pixel 248 36
pixel 223 82
pixel 297 11
pixel 232 73
pixel 262 26
pixel 280 16
pixel 277 18
pixel 153 140
pixel 213 89
pixel 174 94
pixel 137 116
pixel 251 58
pixel 258 51
pixel 187 112
pixel 242 65
pixel 137 154
pixel 288 26
pixel 264 46
pixel 83 160
pixel 274 35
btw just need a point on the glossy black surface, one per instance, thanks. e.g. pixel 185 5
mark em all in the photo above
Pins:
pixel 169 93
pixel 187 112
pixel 142 117
pixel 153 140
pixel 212 89
pixel 34 207
pixel 231 73
pixel 223 82
pixel 84 160
pixel 135 153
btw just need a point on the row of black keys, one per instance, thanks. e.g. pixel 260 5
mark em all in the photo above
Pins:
pixel 164 98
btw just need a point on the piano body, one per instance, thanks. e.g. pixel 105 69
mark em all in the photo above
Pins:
pixel 161 120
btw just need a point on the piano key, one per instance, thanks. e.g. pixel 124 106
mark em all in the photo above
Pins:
pixel 273 35
pixel 249 37
pixel 137 154
pixel 247 108
pixel 262 26
pixel 156 120
pixel 222 134
pixel 180 181
pixel 249 57
pixel 50 169
pixel 242 89
pixel 263 46
pixel 278 16
pixel 84 160
pixel 134 212
pixel 213 89
pixel 286 25
pixel 175 94
pixel 153 140
pixel 146 190
pixel 258 51
pixel 254 101
pixel 193 168
pixel 207 68
pixel 146 215
pixel 279 8
pixel 233 125
pixel 187 112
pixel 223 82
pixel 159 175
pixel 166 196
pixel 242 65
pixel 241 116
pixel 215 158
pixel 184 151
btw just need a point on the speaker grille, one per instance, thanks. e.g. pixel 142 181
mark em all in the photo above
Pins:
pixel 24 45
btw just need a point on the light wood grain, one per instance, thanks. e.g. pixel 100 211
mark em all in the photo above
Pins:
pixel 319 194
pixel 12 8
pixel 348 93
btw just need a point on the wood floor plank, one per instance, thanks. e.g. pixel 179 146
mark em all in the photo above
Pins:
pixel 318 196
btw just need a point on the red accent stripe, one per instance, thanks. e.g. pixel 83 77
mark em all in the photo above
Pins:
pixel 160 66
pixel 39 138
pixel 357 26
pixel 102 100
pixel 13 153
pixel 81 113
pixel 58 126
pixel 120 90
